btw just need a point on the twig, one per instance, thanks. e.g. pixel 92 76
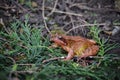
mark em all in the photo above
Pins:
pixel 28 64
pixel 19 5
pixel 20 72
pixel 52 59
pixel 1 22
pixel 43 14
pixel 10 74
pixel 68 23
pixel 71 19
pixel 3 39
pixel 25 64
pixel 14 62
pixel 53 8
pixel 25 47
pixel 5 7
pixel 94 9
pixel 85 25
pixel 63 12
pixel 68 13
pixel 30 72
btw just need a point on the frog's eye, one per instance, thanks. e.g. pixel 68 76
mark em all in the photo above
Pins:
pixel 60 37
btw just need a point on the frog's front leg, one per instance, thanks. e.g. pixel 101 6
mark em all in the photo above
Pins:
pixel 90 51
pixel 70 55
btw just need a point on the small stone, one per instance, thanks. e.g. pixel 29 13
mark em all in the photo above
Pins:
pixel 34 4
pixel 116 30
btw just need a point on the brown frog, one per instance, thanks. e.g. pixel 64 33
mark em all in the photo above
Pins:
pixel 75 45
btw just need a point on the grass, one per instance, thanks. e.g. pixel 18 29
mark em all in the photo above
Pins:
pixel 23 48
pixel 104 44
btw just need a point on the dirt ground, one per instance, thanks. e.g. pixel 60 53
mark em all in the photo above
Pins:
pixel 73 16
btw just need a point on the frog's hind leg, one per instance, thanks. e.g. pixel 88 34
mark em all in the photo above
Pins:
pixel 90 51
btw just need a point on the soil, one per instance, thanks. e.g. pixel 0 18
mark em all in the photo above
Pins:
pixel 73 16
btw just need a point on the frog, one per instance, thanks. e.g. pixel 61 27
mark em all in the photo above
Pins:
pixel 75 46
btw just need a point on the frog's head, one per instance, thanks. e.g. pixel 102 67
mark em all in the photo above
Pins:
pixel 58 39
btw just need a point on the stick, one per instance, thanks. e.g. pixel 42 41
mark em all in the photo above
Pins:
pixel 53 59
pixel 43 14
pixel 84 25
pixel 53 8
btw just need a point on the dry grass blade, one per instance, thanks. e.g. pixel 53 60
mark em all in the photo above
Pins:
pixel 43 15
pixel 52 59
pixel 53 8
pixel 84 25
